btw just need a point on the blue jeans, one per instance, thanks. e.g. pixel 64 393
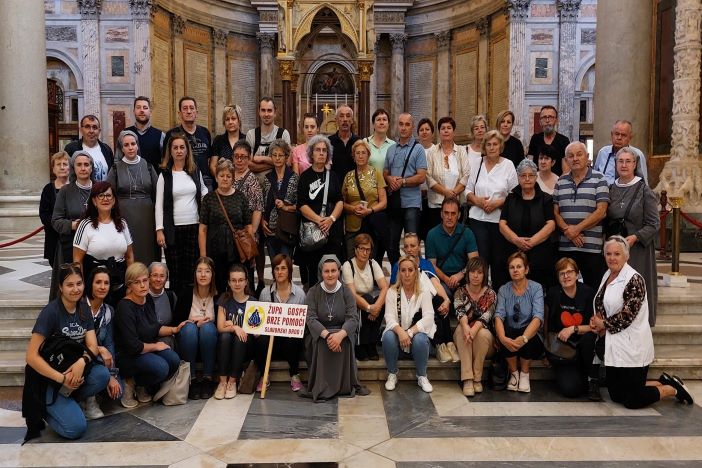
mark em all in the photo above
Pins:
pixel 65 416
pixel 276 246
pixel 419 350
pixel 204 338
pixel 153 368
pixel 409 221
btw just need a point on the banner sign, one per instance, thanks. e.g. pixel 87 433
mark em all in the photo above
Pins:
pixel 275 319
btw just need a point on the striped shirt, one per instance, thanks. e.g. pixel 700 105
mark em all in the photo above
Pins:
pixel 577 202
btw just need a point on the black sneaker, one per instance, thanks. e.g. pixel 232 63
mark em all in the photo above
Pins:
pixel 593 392
pixel 206 390
pixel 683 394
pixel 361 354
pixel 194 392
pixel 373 353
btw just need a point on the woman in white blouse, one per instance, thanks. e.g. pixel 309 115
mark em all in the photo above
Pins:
pixel 179 190
pixel 488 186
pixel 621 313
pixel 409 324
pixel 447 169
pixel 478 128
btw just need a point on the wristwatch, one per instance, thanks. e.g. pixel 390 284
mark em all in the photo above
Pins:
pixel 332 217
pixel 526 340
pixel 576 330
pixel 404 181
pixel 409 332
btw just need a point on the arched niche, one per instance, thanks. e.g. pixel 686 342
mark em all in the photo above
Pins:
pixel 306 25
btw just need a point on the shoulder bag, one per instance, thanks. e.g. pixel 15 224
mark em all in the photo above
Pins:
pixel 375 223
pixel 617 226
pixel 174 391
pixel 288 223
pixel 245 243
pixel 311 236
pixel 394 201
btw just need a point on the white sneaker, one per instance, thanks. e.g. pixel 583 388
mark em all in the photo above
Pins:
pixel 391 383
pixel 91 409
pixel 524 385
pixel 423 382
pixel 513 384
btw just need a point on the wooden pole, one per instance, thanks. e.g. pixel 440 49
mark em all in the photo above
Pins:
pixel 264 385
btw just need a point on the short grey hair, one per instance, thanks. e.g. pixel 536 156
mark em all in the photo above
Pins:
pixel 574 144
pixel 153 265
pixel 526 164
pixel 315 140
pixel 281 145
pixel 72 162
pixel 630 151
pixel 619 240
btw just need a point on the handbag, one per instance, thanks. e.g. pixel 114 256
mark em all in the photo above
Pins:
pixel 61 352
pixel 555 349
pixel 311 236
pixel 174 391
pixel 617 226
pixel 286 229
pixel 247 384
pixel 394 200
pixel 245 243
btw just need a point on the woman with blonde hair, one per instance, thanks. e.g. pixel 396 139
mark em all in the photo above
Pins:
pixel 223 145
pixel 514 150
pixel 409 324
pixel 478 128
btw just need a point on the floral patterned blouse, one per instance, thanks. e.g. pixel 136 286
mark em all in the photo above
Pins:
pixel 634 295
pixel 483 309
pixel 251 188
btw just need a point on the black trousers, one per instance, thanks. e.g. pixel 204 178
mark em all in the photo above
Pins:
pixel 232 354
pixel 572 377
pixel 532 350
pixel 627 385
pixel 492 247
pixel 443 332
pixel 181 257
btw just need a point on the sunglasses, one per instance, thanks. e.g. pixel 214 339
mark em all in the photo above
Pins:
pixel 68 266
pixel 517 310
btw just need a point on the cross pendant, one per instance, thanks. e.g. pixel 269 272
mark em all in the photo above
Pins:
pixel 330 316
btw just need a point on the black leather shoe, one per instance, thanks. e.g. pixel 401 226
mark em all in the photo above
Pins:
pixel 194 392
pixel 683 394
pixel 362 390
pixel 593 392
pixel 361 354
pixel 666 379
pixel 206 390
pixel 373 353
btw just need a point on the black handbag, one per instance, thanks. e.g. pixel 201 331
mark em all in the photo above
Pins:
pixel 394 200
pixel 287 227
pixel 617 226
pixel 557 350
pixel 60 352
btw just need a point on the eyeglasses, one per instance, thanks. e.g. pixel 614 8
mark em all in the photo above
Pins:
pixel 525 175
pixel 238 157
pixel 363 249
pixel 140 281
pixel 548 117
pixel 517 310
pixel 105 196
pixel 91 127
pixel 566 273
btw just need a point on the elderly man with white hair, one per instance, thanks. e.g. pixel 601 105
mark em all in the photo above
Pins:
pixel 605 162
pixel 580 201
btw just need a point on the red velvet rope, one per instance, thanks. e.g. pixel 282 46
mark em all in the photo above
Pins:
pixel 691 220
pixel 23 238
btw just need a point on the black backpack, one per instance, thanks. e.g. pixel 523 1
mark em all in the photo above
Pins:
pixel 61 352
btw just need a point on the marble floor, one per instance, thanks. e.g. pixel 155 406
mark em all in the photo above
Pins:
pixel 404 428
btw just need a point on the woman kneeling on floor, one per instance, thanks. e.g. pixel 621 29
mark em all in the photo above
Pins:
pixel 518 317
pixel 49 394
pixel 409 324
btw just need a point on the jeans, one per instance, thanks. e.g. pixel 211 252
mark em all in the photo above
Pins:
pixel 419 350
pixel 409 221
pixel 153 368
pixel 204 338
pixel 65 416
pixel 276 246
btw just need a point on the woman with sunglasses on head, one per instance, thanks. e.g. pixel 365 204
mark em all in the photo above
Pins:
pixel 518 317
pixel 103 238
pixel 144 361
pixel 50 395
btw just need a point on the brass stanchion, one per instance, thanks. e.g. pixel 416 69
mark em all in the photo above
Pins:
pixel 676 203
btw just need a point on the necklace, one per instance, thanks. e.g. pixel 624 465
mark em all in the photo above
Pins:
pixel 408 299
pixel 203 303
pixel 330 307
pixel 133 179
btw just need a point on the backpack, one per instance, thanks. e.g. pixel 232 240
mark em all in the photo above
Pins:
pixel 257 141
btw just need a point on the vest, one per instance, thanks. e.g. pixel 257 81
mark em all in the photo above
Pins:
pixel 168 223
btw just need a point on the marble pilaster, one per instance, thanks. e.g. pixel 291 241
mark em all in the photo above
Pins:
pixel 373 85
pixel 178 24
pixel 397 75
pixel 219 38
pixel 90 54
pixel 24 146
pixel 567 62
pixel 286 72
pixel 365 72
pixel 518 10
pixel 443 75
pixel 682 175
pixel 266 43
pixel 483 27
pixel 141 14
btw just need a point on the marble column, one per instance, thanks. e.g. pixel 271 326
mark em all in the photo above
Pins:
pixel 286 71
pixel 627 77
pixel 294 81
pixel 24 142
pixel 682 175
pixel 483 27
pixel 365 72
pixel 373 85
pixel 397 76
pixel 443 74
pixel 219 38
pixel 266 43
pixel 518 11
pixel 567 123
pixel 141 15
pixel 90 55
pixel 177 30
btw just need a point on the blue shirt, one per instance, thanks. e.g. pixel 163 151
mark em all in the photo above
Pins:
pixel 531 304
pixel 410 197
pixel 424 265
pixel 606 164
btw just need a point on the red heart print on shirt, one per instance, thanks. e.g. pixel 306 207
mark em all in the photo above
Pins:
pixel 571 320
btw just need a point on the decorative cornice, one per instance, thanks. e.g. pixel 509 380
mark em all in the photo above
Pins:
pixel 286 69
pixel 443 39
pixel 568 10
pixel 219 36
pixel 268 16
pixel 389 17
pixel 141 9
pixel 483 26
pixel 365 70
pixel 90 9
pixel 178 25
pixel 398 41
pixel 265 40
pixel 517 10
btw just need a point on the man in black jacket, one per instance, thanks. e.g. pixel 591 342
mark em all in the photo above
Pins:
pixel 103 158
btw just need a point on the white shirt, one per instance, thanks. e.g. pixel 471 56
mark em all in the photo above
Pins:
pixel 408 309
pixel 496 183
pixel 99 161
pixel 633 346
pixel 184 203
pixel 103 242
pixel 363 279
pixel 458 171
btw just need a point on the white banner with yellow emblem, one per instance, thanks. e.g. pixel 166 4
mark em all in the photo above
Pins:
pixel 274 319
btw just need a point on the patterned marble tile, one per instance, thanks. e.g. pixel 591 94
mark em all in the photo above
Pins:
pixel 4 270
pixel 42 279
pixel 175 420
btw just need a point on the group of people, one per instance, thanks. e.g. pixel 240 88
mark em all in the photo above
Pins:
pixel 494 220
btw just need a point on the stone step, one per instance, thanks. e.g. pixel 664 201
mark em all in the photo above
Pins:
pixel 14 334
pixel 678 329
pixel 682 360
pixel 29 308
pixel 679 301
